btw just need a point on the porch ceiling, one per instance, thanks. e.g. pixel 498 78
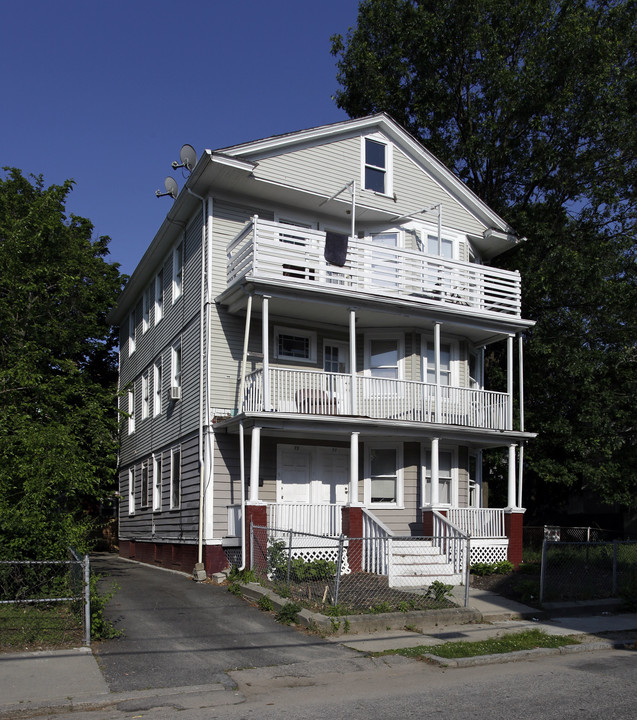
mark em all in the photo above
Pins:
pixel 338 429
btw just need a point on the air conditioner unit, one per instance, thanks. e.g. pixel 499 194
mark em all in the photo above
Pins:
pixel 175 393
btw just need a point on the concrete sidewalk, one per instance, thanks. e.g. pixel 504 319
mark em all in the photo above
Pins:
pixel 72 678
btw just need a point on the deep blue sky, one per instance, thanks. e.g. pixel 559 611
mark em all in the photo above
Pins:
pixel 107 92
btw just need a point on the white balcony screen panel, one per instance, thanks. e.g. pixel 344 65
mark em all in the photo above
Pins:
pixel 274 251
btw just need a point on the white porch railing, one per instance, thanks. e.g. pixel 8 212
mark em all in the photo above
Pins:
pixel 478 522
pixel 276 251
pixel 303 517
pixel 376 546
pixel 321 393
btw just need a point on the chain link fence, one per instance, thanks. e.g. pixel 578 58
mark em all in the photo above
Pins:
pixel 586 570
pixel 357 575
pixel 535 535
pixel 45 603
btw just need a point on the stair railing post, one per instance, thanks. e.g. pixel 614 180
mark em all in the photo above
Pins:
pixel 339 564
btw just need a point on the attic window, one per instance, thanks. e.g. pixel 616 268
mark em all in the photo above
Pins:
pixel 376 166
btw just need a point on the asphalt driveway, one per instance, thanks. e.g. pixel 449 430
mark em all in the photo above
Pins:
pixel 177 632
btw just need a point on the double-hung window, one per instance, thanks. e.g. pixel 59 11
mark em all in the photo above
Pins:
pixel 146 303
pixel 384 475
pixel 157 388
pixel 132 332
pixel 175 381
pixel 145 396
pixel 159 296
pixel 445 477
pixel 376 165
pixel 131 490
pixel 131 410
pixel 157 470
pixel 145 485
pixel 175 478
pixel 178 271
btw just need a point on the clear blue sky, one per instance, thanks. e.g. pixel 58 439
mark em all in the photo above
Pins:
pixel 107 92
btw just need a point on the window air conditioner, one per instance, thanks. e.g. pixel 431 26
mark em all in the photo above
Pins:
pixel 175 393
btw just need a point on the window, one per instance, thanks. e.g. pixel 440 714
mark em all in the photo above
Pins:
pixel 445 477
pixel 175 478
pixel 145 396
pixel 131 411
pixel 297 345
pixel 384 259
pixel 131 491
pixel 475 479
pixel 157 469
pixel 383 357
pixel 157 388
pixel 440 246
pixel 178 271
pixel 132 333
pixel 384 482
pixel 146 302
pixel 159 296
pixel 445 364
pixel 145 488
pixel 376 166
pixel 335 357
pixel 175 380
pixel 475 369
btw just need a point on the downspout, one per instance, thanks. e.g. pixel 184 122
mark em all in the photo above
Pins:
pixel 241 404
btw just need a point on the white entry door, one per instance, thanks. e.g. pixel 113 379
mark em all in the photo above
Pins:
pixel 293 474
pixel 332 485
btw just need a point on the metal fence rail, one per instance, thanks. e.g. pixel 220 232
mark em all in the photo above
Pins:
pixel 324 572
pixel 44 585
pixel 586 570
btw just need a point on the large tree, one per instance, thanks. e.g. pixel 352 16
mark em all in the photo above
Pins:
pixel 533 104
pixel 58 370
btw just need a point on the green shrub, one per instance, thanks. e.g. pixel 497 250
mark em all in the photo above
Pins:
pixel 235 589
pixel 438 591
pixel 482 568
pixel 242 576
pixel 101 628
pixel 288 613
pixel 265 603
pixel 381 607
pixel 503 567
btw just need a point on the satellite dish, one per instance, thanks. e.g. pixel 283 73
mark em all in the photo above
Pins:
pixel 187 158
pixel 171 186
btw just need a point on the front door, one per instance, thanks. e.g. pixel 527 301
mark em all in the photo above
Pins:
pixel 293 474
pixel 332 485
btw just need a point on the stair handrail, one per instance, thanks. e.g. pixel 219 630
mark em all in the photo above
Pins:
pixel 375 551
pixel 453 550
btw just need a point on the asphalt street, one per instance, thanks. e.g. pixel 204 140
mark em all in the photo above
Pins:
pixel 177 632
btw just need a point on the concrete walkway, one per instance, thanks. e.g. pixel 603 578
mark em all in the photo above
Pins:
pixel 73 678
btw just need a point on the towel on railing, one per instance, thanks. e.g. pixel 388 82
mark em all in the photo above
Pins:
pixel 335 248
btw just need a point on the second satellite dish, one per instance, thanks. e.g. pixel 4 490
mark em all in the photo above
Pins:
pixel 187 158
pixel 171 186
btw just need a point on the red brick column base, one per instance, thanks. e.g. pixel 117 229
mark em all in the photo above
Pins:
pixel 257 515
pixel 513 524
pixel 428 521
pixel 352 519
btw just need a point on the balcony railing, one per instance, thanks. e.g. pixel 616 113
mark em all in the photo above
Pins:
pixel 276 251
pixel 322 393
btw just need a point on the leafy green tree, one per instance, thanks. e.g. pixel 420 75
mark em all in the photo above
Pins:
pixel 533 104
pixel 58 370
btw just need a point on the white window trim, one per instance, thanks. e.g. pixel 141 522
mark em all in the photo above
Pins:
pixel 389 164
pixel 144 501
pixel 146 309
pixel 305 334
pixel 176 378
pixel 424 449
pixel 145 395
pixel 157 388
pixel 178 270
pixel 159 295
pixel 132 332
pixel 157 481
pixel 378 335
pixel 400 478
pixel 454 361
pixel 131 410
pixel 131 490
pixel 173 452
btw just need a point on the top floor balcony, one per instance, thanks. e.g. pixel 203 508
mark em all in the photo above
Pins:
pixel 286 253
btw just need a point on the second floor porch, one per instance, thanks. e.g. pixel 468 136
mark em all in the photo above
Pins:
pixel 286 390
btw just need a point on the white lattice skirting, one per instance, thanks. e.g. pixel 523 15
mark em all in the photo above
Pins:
pixel 318 548
pixel 489 550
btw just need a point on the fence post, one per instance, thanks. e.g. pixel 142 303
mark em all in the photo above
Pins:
pixel 542 569
pixel 87 600
pixel 289 554
pixel 339 564
pixel 467 572
pixel 614 589
pixel 251 545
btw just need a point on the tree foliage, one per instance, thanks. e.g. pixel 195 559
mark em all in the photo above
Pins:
pixel 58 370
pixel 533 104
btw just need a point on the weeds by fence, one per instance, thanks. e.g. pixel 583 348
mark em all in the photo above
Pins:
pixel 342 575
pixel 44 603
pixel 587 570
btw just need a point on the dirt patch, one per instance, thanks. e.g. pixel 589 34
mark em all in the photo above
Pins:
pixel 523 587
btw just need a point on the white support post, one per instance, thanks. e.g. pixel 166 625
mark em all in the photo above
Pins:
pixel 353 469
pixel 509 424
pixel 265 341
pixel 352 362
pixel 511 485
pixel 435 473
pixel 437 369
pixel 254 464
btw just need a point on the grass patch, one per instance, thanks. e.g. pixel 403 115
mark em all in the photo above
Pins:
pixel 30 627
pixel 511 642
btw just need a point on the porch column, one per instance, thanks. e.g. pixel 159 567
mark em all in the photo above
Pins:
pixel 434 498
pixel 353 469
pixel 511 485
pixel 265 344
pixel 437 380
pixel 352 362
pixel 254 465
pixel 521 400
pixel 509 423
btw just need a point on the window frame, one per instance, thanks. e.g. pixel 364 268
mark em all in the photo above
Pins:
pixel 308 335
pixel 399 503
pixel 131 490
pixel 145 395
pixel 131 409
pixel 175 501
pixel 400 349
pixel 176 366
pixel 144 485
pixel 158 461
pixel 146 308
pixel 157 388
pixel 132 332
pixel 427 342
pixel 178 271
pixel 453 475
pixel 159 297
pixel 387 170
